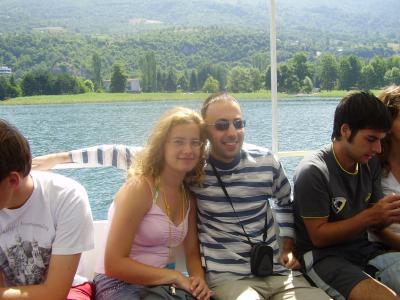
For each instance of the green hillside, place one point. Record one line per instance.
(340, 17)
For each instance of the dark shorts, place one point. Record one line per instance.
(336, 276)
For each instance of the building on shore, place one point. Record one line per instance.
(5, 70)
(132, 85)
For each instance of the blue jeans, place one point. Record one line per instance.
(108, 288)
(388, 265)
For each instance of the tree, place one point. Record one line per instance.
(28, 85)
(183, 83)
(118, 79)
(216, 71)
(345, 74)
(211, 85)
(96, 69)
(38, 82)
(307, 85)
(170, 85)
(287, 80)
(161, 80)
(14, 90)
(239, 80)
(299, 65)
(327, 71)
(392, 76)
(368, 76)
(267, 82)
(3, 88)
(259, 61)
(256, 81)
(349, 72)
(148, 68)
(89, 85)
(193, 81)
(355, 65)
(379, 65)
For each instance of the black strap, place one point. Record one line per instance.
(221, 183)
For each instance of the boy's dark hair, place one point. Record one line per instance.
(361, 110)
(15, 153)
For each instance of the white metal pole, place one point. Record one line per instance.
(274, 89)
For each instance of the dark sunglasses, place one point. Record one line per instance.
(223, 124)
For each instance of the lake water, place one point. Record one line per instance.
(303, 124)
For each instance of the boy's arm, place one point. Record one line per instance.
(324, 233)
(61, 273)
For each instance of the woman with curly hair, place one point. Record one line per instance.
(390, 155)
(154, 212)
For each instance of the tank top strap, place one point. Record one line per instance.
(155, 192)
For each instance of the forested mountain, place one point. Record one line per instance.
(225, 41)
(363, 18)
(181, 49)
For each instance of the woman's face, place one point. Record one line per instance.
(182, 148)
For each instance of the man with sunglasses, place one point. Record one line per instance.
(230, 222)
(252, 176)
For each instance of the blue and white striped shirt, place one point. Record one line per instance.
(252, 179)
(118, 156)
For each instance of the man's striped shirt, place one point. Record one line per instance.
(251, 180)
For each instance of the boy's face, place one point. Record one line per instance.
(364, 145)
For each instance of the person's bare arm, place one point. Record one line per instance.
(62, 269)
(324, 233)
(198, 285)
(48, 161)
(389, 237)
(1, 280)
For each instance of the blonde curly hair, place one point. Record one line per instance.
(150, 161)
(390, 96)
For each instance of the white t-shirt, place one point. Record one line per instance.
(391, 185)
(56, 219)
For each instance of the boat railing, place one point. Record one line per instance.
(281, 154)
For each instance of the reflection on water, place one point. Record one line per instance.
(303, 124)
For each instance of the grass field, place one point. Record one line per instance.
(126, 97)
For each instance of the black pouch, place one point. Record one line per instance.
(165, 292)
(261, 259)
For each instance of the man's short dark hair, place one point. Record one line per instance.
(361, 110)
(216, 97)
(15, 153)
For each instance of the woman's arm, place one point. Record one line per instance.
(131, 204)
(198, 285)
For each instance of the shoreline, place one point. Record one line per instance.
(129, 97)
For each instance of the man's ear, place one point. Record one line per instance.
(345, 131)
(14, 178)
